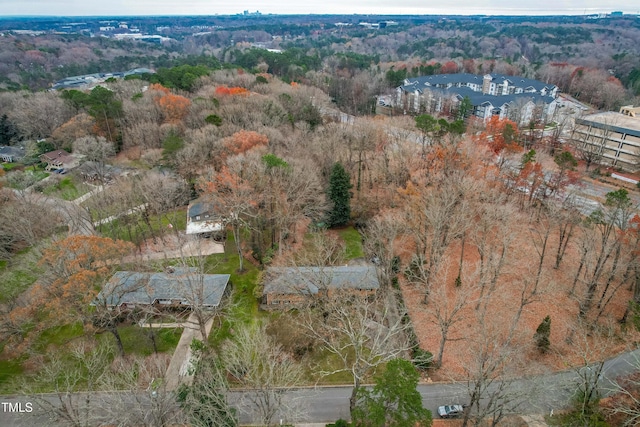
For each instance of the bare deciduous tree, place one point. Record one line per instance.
(379, 239)
(447, 307)
(85, 371)
(259, 365)
(360, 332)
(143, 398)
(205, 402)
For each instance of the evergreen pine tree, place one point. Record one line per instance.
(542, 335)
(8, 131)
(339, 186)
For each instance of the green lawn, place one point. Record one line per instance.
(58, 335)
(133, 228)
(136, 340)
(9, 371)
(353, 242)
(244, 307)
(66, 189)
(17, 276)
(10, 166)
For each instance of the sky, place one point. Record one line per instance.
(374, 7)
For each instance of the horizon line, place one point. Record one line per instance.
(257, 14)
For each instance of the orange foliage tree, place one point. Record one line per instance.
(244, 140)
(159, 88)
(77, 267)
(174, 107)
(449, 67)
(501, 136)
(231, 91)
(235, 199)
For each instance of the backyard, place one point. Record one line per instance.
(243, 307)
(67, 188)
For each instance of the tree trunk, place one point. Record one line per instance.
(152, 337)
(565, 235)
(443, 341)
(614, 269)
(462, 244)
(580, 266)
(236, 237)
(116, 335)
(353, 399)
(542, 254)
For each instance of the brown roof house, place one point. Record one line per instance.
(176, 287)
(291, 286)
(58, 159)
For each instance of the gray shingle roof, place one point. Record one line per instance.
(478, 98)
(199, 207)
(309, 280)
(464, 78)
(16, 153)
(183, 285)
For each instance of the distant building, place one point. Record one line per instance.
(491, 95)
(12, 154)
(614, 137)
(87, 80)
(58, 159)
(630, 110)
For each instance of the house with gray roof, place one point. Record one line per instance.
(202, 218)
(182, 287)
(11, 154)
(292, 286)
(517, 98)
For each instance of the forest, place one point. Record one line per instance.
(488, 269)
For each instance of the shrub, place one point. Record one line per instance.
(422, 359)
(213, 119)
(542, 335)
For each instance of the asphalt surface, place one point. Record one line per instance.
(536, 395)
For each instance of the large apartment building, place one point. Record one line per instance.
(517, 98)
(613, 138)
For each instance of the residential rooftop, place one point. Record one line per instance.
(309, 280)
(176, 286)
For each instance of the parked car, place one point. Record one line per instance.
(450, 411)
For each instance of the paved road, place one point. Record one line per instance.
(323, 404)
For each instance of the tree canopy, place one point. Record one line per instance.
(339, 186)
(394, 401)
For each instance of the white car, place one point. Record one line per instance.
(450, 411)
